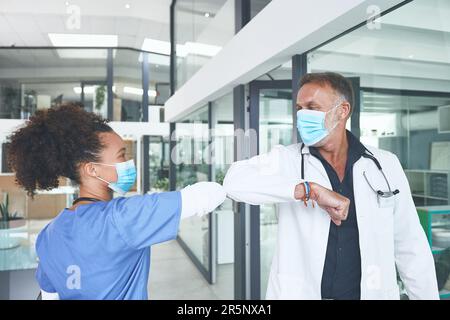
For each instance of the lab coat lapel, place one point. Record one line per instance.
(311, 161)
(363, 202)
(360, 185)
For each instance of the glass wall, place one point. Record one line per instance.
(32, 79)
(204, 152)
(159, 74)
(275, 127)
(127, 85)
(192, 160)
(222, 158)
(159, 157)
(403, 65)
(202, 28)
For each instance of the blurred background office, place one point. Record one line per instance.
(178, 78)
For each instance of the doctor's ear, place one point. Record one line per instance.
(345, 110)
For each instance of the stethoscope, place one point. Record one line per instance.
(368, 155)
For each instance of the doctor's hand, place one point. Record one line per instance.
(332, 202)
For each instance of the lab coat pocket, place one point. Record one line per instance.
(384, 219)
(386, 202)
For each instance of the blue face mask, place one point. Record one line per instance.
(126, 176)
(311, 125)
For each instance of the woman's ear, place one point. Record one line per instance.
(88, 169)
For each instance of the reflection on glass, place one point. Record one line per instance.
(405, 123)
(275, 127)
(159, 164)
(159, 74)
(127, 86)
(33, 79)
(202, 28)
(192, 166)
(222, 157)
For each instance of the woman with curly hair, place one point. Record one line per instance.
(100, 247)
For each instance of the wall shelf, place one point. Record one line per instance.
(429, 187)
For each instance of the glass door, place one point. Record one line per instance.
(155, 163)
(271, 116)
(193, 161)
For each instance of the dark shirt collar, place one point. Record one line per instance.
(355, 148)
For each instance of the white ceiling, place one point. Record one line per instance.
(28, 22)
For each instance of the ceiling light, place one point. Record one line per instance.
(157, 46)
(139, 91)
(82, 53)
(158, 59)
(127, 6)
(89, 89)
(207, 14)
(132, 90)
(197, 48)
(83, 40)
(201, 49)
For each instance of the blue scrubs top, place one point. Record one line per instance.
(102, 250)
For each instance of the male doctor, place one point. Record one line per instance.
(346, 217)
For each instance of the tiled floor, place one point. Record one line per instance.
(173, 276)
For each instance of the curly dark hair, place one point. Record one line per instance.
(52, 144)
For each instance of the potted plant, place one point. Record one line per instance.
(162, 184)
(12, 102)
(10, 223)
(100, 95)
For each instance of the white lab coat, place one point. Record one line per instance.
(390, 234)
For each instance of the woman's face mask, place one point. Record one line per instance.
(126, 176)
(312, 127)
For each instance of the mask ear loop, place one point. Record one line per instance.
(97, 176)
(337, 121)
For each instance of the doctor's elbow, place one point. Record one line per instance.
(228, 184)
(231, 184)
